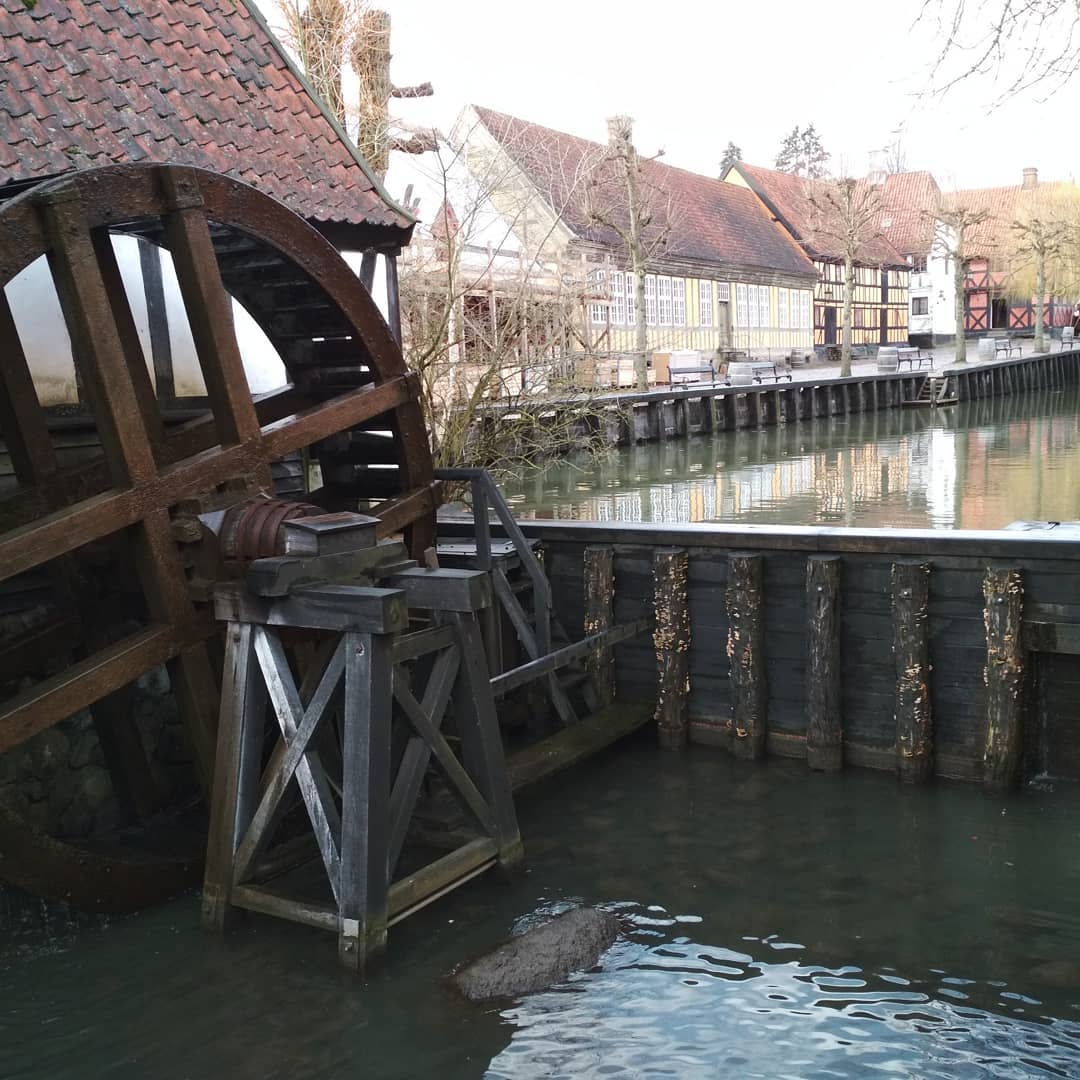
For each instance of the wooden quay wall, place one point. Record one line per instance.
(923, 652)
(677, 412)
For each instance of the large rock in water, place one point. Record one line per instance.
(540, 957)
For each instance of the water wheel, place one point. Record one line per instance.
(130, 512)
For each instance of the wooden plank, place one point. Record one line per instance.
(1003, 591)
(318, 607)
(824, 717)
(599, 588)
(363, 900)
(157, 318)
(671, 639)
(208, 307)
(914, 718)
(746, 653)
(80, 685)
(572, 745)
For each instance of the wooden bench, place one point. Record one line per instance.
(911, 356)
(690, 370)
(1004, 345)
(767, 369)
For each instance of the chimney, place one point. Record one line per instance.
(1031, 178)
(620, 129)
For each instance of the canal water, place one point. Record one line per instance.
(778, 924)
(978, 465)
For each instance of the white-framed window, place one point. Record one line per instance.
(805, 322)
(705, 314)
(678, 301)
(763, 305)
(742, 311)
(618, 297)
(723, 292)
(598, 311)
(663, 290)
(650, 300)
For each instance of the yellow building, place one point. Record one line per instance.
(721, 274)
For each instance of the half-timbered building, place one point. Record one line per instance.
(721, 274)
(880, 302)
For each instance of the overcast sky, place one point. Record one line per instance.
(696, 74)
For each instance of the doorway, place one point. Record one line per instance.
(999, 313)
(830, 325)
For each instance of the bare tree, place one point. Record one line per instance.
(321, 33)
(1042, 256)
(845, 216)
(492, 309)
(624, 198)
(1023, 43)
(955, 223)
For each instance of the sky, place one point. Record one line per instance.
(698, 74)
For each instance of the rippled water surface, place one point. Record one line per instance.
(778, 924)
(979, 465)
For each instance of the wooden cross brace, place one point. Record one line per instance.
(334, 743)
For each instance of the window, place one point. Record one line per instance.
(678, 301)
(705, 303)
(763, 305)
(920, 305)
(631, 299)
(723, 292)
(741, 310)
(598, 311)
(805, 308)
(618, 295)
(918, 264)
(663, 285)
(650, 300)
(782, 309)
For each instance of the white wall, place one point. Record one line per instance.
(45, 340)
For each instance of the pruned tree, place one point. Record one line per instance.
(1044, 248)
(845, 216)
(732, 156)
(802, 153)
(1021, 43)
(624, 198)
(492, 310)
(954, 224)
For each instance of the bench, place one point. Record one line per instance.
(767, 369)
(1004, 345)
(911, 356)
(690, 369)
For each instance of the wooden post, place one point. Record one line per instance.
(824, 709)
(746, 652)
(1003, 591)
(671, 567)
(599, 574)
(914, 722)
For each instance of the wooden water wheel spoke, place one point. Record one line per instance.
(161, 469)
(95, 338)
(209, 309)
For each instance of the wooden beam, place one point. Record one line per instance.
(599, 586)
(746, 652)
(671, 638)
(1003, 593)
(824, 705)
(911, 650)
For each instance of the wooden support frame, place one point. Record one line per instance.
(746, 653)
(824, 699)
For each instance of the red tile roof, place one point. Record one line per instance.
(908, 203)
(199, 82)
(1001, 206)
(789, 197)
(698, 217)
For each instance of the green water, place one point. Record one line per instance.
(779, 924)
(978, 465)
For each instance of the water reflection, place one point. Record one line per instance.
(978, 465)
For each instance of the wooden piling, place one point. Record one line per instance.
(1003, 593)
(914, 722)
(599, 582)
(746, 652)
(671, 569)
(824, 710)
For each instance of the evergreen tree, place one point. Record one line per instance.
(801, 153)
(732, 154)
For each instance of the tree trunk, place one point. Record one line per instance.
(641, 334)
(1040, 300)
(958, 303)
(849, 293)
